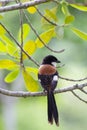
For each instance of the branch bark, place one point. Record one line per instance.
(33, 94)
(22, 5)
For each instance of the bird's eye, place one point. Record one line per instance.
(54, 64)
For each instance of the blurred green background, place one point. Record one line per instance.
(31, 113)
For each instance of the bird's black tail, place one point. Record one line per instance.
(52, 108)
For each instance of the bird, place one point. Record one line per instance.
(48, 78)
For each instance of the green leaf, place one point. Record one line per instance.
(12, 76)
(8, 64)
(69, 19)
(65, 9)
(46, 37)
(79, 7)
(29, 47)
(79, 33)
(59, 31)
(26, 30)
(2, 47)
(31, 84)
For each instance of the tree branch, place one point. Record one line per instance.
(33, 94)
(22, 5)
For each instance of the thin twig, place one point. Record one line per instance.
(78, 97)
(74, 80)
(21, 37)
(83, 91)
(10, 34)
(33, 94)
(39, 36)
(21, 23)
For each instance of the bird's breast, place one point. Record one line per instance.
(47, 70)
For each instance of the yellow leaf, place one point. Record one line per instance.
(1, 16)
(51, 15)
(12, 50)
(31, 10)
(46, 37)
(12, 76)
(31, 84)
(6, 40)
(79, 33)
(2, 47)
(47, 26)
(26, 30)
(29, 47)
(69, 19)
(33, 72)
(9, 46)
(2, 30)
(79, 7)
(7, 64)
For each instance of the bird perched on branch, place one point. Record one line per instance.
(48, 78)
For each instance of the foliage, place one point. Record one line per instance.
(52, 28)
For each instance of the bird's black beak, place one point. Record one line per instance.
(58, 61)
